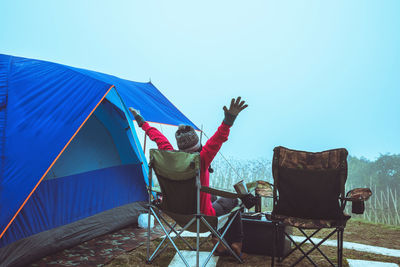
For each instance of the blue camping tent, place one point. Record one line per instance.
(71, 167)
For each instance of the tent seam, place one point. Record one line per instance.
(126, 110)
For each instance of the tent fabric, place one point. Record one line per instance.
(64, 200)
(84, 154)
(145, 97)
(45, 106)
(114, 98)
(42, 107)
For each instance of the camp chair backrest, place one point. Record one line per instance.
(309, 183)
(176, 173)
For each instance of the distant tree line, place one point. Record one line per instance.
(383, 172)
(228, 171)
(382, 176)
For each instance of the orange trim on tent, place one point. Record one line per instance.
(51, 165)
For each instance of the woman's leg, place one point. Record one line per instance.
(234, 235)
(224, 205)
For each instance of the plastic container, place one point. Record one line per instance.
(144, 219)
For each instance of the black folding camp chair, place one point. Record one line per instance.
(178, 174)
(308, 194)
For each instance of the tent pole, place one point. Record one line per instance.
(144, 144)
(201, 133)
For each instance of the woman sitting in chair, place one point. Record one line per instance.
(188, 141)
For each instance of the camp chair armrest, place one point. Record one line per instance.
(220, 193)
(358, 194)
(251, 186)
(261, 188)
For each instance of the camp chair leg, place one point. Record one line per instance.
(149, 212)
(158, 251)
(298, 247)
(274, 243)
(197, 239)
(153, 256)
(320, 251)
(340, 246)
(215, 246)
(315, 247)
(172, 242)
(300, 244)
(280, 258)
(181, 231)
(221, 239)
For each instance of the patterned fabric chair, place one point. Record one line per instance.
(178, 174)
(308, 194)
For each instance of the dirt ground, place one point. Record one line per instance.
(356, 231)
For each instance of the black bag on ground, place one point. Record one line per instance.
(259, 233)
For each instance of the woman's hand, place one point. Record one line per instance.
(139, 119)
(236, 106)
(234, 109)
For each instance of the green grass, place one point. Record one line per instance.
(386, 226)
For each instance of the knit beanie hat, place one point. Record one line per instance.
(187, 138)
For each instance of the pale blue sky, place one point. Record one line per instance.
(316, 74)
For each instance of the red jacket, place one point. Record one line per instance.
(207, 154)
